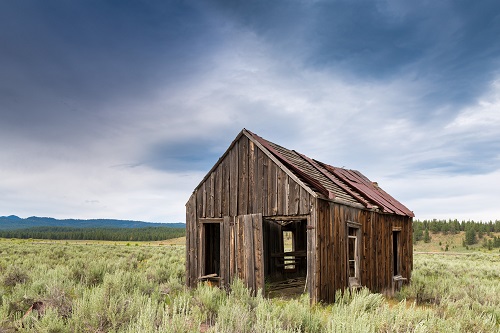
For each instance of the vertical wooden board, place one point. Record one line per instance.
(199, 201)
(374, 250)
(188, 252)
(331, 253)
(258, 252)
(324, 246)
(223, 192)
(273, 188)
(243, 177)
(191, 267)
(200, 249)
(344, 282)
(241, 245)
(336, 247)
(321, 251)
(376, 232)
(281, 191)
(381, 270)
(386, 254)
(249, 253)
(233, 250)
(409, 241)
(311, 253)
(218, 191)
(187, 263)
(233, 180)
(204, 199)
(367, 249)
(388, 257)
(259, 182)
(265, 185)
(286, 199)
(252, 196)
(293, 197)
(365, 216)
(316, 257)
(210, 194)
(225, 187)
(222, 255)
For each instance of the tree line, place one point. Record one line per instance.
(109, 234)
(474, 231)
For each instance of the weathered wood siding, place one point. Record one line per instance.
(247, 181)
(244, 181)
(376, 263)
(191, 242)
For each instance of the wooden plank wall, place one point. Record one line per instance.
(191, 243)
(248, 255)
(247, 181)
(376, 248)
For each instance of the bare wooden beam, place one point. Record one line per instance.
(286, 217)
(210, 220)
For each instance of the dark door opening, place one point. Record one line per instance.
(285, 256)
(211, 248)
(396, 264)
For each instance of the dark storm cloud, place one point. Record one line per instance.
(61, 61)
(451, 47)
(180, 156)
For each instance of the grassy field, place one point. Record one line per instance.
(139, 287)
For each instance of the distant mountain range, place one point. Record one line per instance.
(15, 222)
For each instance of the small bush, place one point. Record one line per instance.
(15, 275)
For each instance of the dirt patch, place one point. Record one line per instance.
(286, 289)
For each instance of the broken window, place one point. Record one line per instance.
(353, 255)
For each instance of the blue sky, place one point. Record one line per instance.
(117, 109)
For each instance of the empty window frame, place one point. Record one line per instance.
(353, 253)
(289, 246)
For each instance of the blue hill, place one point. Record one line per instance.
(15, 222)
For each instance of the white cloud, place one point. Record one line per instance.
(481, 118)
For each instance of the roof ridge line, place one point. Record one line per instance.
(321, 189)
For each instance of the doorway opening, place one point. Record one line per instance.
(285, 256)
(396, 264)
(211, 246)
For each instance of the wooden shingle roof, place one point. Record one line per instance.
(343, 185)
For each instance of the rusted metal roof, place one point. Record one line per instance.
(343, 185)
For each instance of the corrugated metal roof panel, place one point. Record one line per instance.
(347, 185)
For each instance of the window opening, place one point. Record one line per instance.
(353, 253)
(288, 248)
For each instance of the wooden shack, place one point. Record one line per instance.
(274, 217)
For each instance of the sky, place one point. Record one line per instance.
(117, 109)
